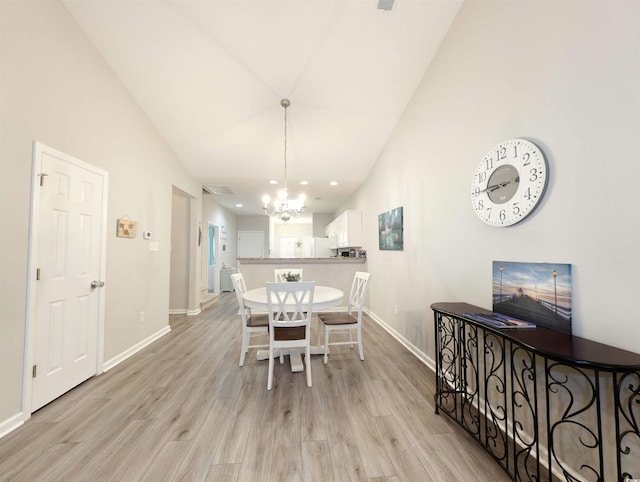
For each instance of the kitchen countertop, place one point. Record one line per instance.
(334, 259)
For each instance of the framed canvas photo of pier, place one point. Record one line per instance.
(536, 292)
(390, 230)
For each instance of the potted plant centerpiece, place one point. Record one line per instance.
(292, 276)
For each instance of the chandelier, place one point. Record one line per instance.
(284, 208)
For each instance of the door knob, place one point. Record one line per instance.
(97, 284)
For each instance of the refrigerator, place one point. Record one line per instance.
(320, 248)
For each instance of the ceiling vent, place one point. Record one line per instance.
(385, 4)
(219, 190)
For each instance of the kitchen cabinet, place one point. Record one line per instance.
(345, 231)
(331, 232)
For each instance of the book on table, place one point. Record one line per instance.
(498, 320)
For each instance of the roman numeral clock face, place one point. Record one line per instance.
(509, 183)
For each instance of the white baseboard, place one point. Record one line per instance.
(184, 311)
(422, 356)
(10, 424)
(108, 365)
(181, 311)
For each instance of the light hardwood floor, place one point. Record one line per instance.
(182, 409)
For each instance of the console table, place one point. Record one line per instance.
(545, 405)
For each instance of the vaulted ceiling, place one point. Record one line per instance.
(210, 75)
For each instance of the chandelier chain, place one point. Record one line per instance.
(283, 208)
(285, 105)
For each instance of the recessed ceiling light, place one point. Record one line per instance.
(273, 181)
(333, 183)
(304, 183)
(238, 205)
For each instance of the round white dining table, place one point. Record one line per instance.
(323, 297)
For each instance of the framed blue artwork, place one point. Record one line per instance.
(390, 230)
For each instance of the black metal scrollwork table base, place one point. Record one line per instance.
(545, 405)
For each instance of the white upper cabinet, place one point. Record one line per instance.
(332, 233)
(345, 231)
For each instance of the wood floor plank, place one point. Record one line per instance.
(345, 455)
(312, 407)
(182, 409)
(316, 461)
(163, 466)
(114, 452)
(223, 473)
(345, 462)
(201, 452)
(373, 455)
(236, 433)
(286, 462)
(256, 464)
(400, 451)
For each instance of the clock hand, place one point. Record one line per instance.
(500, 184)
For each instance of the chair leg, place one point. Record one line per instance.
(307, 362)
(326, 344)
(270, 376)
(245, 342)
(360, 342)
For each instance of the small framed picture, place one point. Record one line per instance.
(127, 228)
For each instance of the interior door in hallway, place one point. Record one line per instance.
(68, 256)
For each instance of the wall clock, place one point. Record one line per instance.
(509, 182)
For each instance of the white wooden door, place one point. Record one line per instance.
(250, 244)
(287, 247)
(68, 256)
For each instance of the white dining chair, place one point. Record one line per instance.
(346, 323)
(253, 325)
(281, 274)
(289, 311)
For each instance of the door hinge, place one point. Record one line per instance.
(42, 176)
(37, 274)
(34, 370)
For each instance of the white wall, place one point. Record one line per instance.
(563, 74)
(57, 89)
(215, 214)
(320, 222)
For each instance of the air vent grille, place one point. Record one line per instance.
(385, 4)
(219, 190)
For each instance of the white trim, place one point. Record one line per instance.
(406, 343)
(10, 424)
(32, 262)
(108, 365)
(184, 311)
(217, 255)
